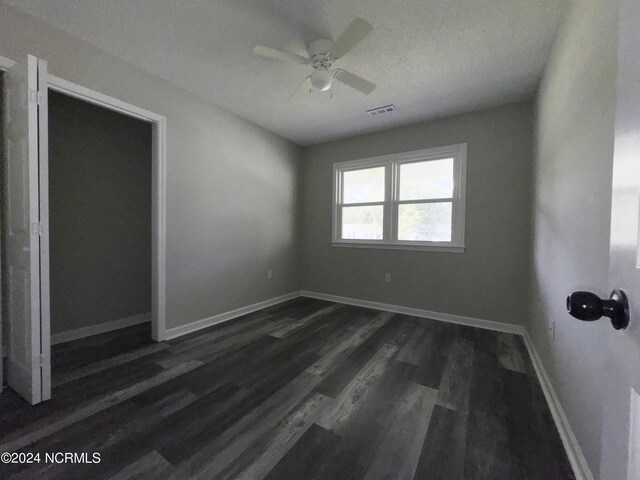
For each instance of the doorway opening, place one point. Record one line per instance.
(157, 123)
(99, 194)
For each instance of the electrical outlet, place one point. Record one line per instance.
(387, 277)
(269, 273)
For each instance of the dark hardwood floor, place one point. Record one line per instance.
(305, 389)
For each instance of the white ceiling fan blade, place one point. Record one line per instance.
(355, 81)
(280, 55)
(355, 32)
(303, 90)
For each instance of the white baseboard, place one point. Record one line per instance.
(63, 337)
(416, 312)
(226, 316)
(579, 464)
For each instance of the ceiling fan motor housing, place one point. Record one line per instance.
(319, 51)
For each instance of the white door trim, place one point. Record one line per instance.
(158, 189)
(43, 199)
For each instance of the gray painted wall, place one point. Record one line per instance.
(231, 185)
(99, 214)
(489, 280)
(575, 125)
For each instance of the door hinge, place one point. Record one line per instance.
(39, 360)
(36, 228)
(35, 96)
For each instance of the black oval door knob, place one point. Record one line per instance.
(588, 306)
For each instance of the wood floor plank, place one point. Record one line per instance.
(399, 451)
(482, 459)
(368, 427)
(352, 318)
(223, 369)
(304, 459)
(210, 351)
(102, 433)
(39, 430)
(257, 462)
(414, 349)
(278, 360)
(509, 355)
(341, 349)
(323, 329)
(432, 353)
(152, 465)
(453, 392)
(222, 331)
(533, 438)
(338, 412)
(298, 324)
(396, 331)
(123, 446)
(100, 366)
(487, 427)
(85, 351)
(448, 428)
(192, 425)
(297, 308)
(444, 447)
(212, 458)
(72, 394)
(176, 450)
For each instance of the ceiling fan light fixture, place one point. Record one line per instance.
(321, 79)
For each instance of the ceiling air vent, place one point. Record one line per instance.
(374, 112)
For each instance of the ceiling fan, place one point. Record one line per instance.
(321, 56)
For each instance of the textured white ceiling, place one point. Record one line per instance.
(428, 57)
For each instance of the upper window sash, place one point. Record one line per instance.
(341, 185)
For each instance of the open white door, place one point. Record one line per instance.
(621, 397)
(28, 366)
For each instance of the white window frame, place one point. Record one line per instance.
(391, 202)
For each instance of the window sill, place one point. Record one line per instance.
(394, 246)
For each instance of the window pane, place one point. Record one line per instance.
(426, 180)
(360, 186)
(425, 222)
(362, 223)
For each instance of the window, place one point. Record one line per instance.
(411, 200)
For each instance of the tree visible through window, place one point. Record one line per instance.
(414, 199)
